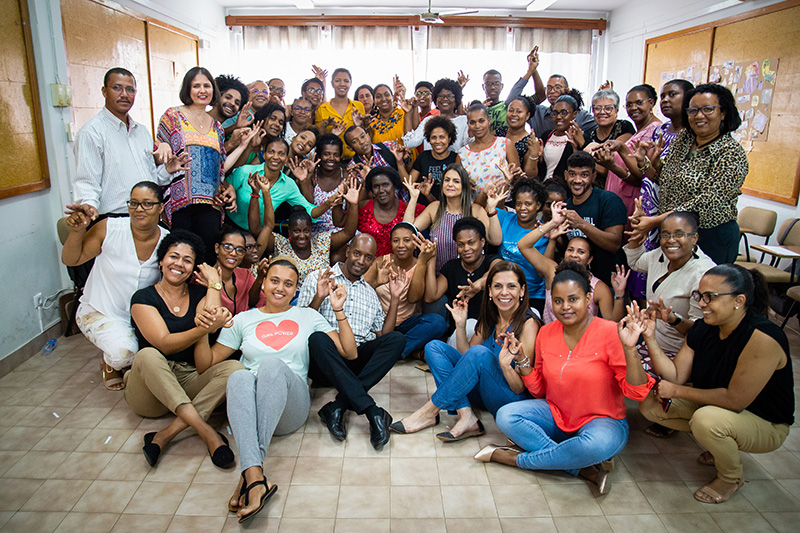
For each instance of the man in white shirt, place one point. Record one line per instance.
(113, 152)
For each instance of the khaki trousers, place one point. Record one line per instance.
(155, 386)
(721, 431)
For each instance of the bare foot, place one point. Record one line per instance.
(235, 503)
(465, 424)
(419, 420)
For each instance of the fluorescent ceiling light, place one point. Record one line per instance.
(540, 5)
(304, 4)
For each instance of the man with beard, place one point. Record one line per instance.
(233, 99)
(379, 347)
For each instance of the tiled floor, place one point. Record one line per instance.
(70, 460)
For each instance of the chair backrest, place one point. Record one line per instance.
(757, 221)
(62, 229)
(789, 232)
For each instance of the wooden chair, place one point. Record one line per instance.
(788, 236)
(755, 221)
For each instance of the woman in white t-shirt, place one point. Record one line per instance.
(271, 395)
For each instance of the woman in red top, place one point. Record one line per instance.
(583, 370)
(379, 215)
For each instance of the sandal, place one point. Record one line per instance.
(659, 431)
(235, 508)
(707, 459)
(267, 495)
(706, 494)
(112, 379)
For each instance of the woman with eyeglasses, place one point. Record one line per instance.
(240, 291)
(703, 172)
(671, 273)
(605, 108)
(124, 250)
(741, 396)
(313, 90)
(340, 110)
(556, 145)
(301, 118)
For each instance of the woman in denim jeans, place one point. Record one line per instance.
(583, 371)
(474, 372)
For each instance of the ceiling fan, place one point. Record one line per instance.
(429, 17)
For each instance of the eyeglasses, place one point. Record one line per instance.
(605, 108)
(314, 91)
(301, 108)
(706, 110)
(562, 113)
(493, 84)
(679, 235)
(259, 91)
(228, 247)
(129, 89)
(422, 93)
(708, 296)
(133, 205)
(446, 96)
(274, 89)
(554, 88)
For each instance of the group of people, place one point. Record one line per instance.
(268, 246)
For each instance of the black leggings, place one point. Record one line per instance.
(204, 221)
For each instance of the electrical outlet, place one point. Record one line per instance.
(38, 302)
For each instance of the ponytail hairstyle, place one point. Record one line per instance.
(572, 97)
(750, 283)
(487, 322)
(647, 89)
(286, 262)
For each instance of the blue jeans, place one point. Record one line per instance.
(476, 374)
(421, 329)
(531, 425)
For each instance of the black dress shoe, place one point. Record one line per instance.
(333, 418)
(379, 429)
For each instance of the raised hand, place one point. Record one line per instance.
(80, 216)
(398, 282)
(427, 249)
(503, 167)
(358, 118)
(516, 172)
(385, 269)
(533, 61)
(248, 133)
(638, 209)
(656, 150)
(574, 219)
(619, 279)
(413, 188)
(176, 163)
(352, 194)
(320, 73)
(459, 311)
(534, 146)
(659, 310)
(512, 350)
(575, 135)
(425, 185)
(245, 117)
(603, 156)
(462, 78)
(606, 85)
(338, 295)
(398, 151)
(496, 196)
(468, 291)
(630, 328)
(207, 274)
(559, 215)
(299, 171)
(562, 229)
(226, 197)
(257, 139)
(338, 127)
(408, 104)
(263, 266)
(162, 153)
(324, 283)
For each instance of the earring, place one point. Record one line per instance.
(737, 307)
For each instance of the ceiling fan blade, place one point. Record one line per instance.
(453, 13)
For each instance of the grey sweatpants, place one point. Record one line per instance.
(273, 402)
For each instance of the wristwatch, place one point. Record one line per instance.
(678, 320)
(216, 286)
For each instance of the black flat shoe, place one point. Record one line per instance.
(379, 429)
(151, 451)
(398, 427)
(333, 418)
(223, 456)
(449, 437)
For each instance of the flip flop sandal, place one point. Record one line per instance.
(449, 437)
(111, 378)
(267, 495)
(707, 459)
(715, 496)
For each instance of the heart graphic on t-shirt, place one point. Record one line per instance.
(276, 336)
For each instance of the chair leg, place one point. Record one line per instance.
(789, 314)
(746, 247)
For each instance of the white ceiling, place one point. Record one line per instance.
(415, 6)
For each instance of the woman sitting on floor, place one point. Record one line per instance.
(270, 396)
(741, 395)
(579, 376)
(169, 318)
(475, 372)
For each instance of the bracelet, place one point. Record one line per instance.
(525, 363)
(619, 297)
(255, 195)
(646, 166)
(628, 175)
(492, 214)
(533, 158)
(337, 310)
(341, 319)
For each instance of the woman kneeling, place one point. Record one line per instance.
(583, 371)
(738, 363)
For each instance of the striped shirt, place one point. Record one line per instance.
(110, 160)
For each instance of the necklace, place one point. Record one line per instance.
(175, 308)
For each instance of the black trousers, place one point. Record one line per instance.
(720, 243)
(204, 221)
(354, 378)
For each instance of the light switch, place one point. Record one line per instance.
(61, 95)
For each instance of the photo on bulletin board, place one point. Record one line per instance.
(752, 84)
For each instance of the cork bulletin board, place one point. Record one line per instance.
(21, 129)
(768, 34)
